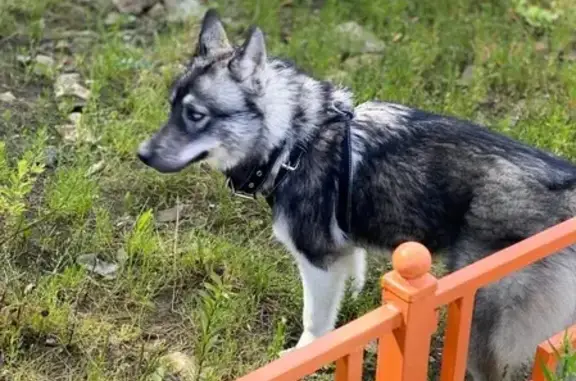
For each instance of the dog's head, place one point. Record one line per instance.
(213, 115)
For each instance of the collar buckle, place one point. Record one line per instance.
(287, 166)
(234, 192)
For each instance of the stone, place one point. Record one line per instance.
(50, 157)
(170, 214)
(75, 118)
(68, 132)
(44, 65)
(95, 168)
(7, 97)
(157, 11)
(181, 10)
(112, 18)
(467, 75)
(355, 39)
(135, 7)
(69, 84)
(92, 263)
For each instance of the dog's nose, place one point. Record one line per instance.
(144, 157)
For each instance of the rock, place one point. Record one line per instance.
(51, 341)
(135, 7)
(467, 75)
(121, 255)
(115, 18)
(157, 11)
(75, 118)
(68, 132)
(44, 65)
(356, 39)
(170, 214)
(50, 157)
(63, 45)
(71, 133)
(112, 18)
(69, 84)
(127, 36)
(95, 168)
(44, 60)
(181, 10)
(7, 97)
(92, 263)
(24, 60)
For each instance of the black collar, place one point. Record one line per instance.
(252, 184)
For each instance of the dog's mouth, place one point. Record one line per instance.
(198, 158)
(165, 167)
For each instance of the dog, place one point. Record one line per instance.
(341, 179)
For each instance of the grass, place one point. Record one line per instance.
(212, 289)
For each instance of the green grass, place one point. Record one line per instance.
(213, 284)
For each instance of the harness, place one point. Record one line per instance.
(253, 183)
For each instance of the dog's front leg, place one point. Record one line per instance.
(323, 290)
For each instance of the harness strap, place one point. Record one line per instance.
(343, 212)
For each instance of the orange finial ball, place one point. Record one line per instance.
(411, 260)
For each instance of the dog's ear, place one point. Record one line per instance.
(212, 36)
(252, 58)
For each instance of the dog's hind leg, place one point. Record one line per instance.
(512, 316)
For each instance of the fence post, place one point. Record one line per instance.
(403, 355)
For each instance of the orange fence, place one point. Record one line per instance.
(404, 324)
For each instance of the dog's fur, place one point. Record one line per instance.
(459, 188)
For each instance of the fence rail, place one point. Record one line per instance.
(405, 323)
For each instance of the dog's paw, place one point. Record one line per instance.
(285, 351)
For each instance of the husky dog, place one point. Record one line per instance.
(459, 188)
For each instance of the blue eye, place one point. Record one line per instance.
(194, 115)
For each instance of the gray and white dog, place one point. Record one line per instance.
(459, 188)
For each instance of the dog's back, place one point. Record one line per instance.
(446, 178)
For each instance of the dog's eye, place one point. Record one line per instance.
(194, 115)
